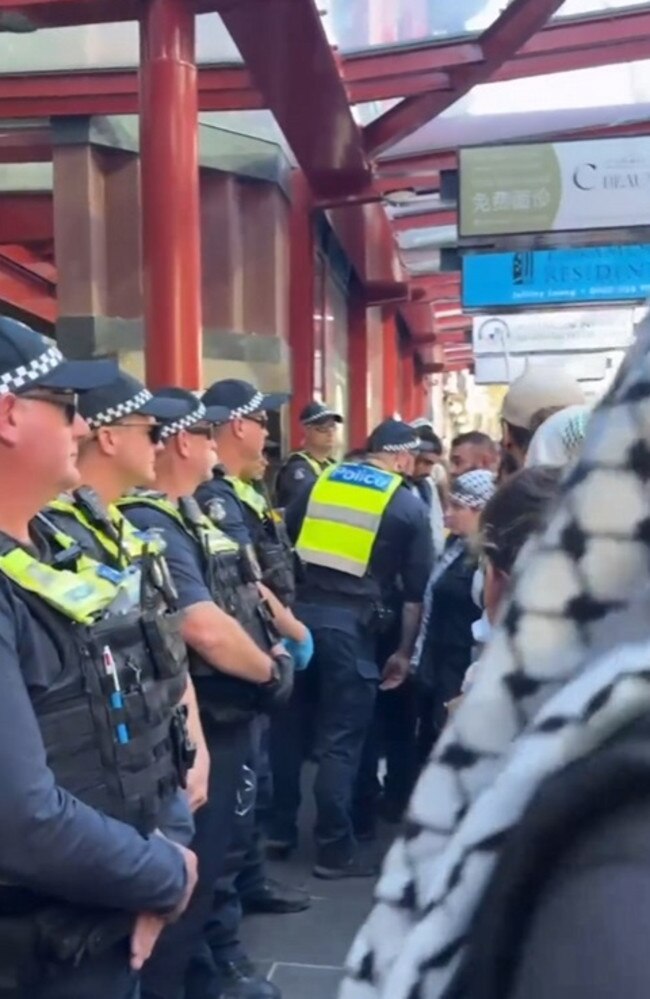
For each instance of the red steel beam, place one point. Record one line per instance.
(52, 94)
(593, 41)
(518, 23)
(289, 57)
(427, 220)
(26, 218)
(25, 145)
(26, 291)
(30, 259)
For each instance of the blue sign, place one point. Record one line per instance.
(362, 475)
(556, 277)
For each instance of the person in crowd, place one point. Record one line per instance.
(517, 510)
(443, 651)
(301, 469)
(365, 541)
(508, 466)
(559, 438)
(239, 668)
(529, 829)
(471, 452)
(233, 502)
(82, 871)
(539, 392)
(426, 461)
(117, 456)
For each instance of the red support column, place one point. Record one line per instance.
(357, 369)
(407, 371)
(170, 194)
(391, 363)
(301, 301)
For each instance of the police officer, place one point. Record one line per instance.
(80, 790)
(303, 467)
(230, 499)
(115, 458)
(362, 535)
(234, 681)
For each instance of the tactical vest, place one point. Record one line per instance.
(345, 510)
(273, 549)
(230, 575)
(112, 731)
(317, 467)
(117, 541)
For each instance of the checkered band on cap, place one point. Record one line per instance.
(252, 406)
(325, 414)
(21, 377)
(184, 423)
(115, 413)
(398, 448)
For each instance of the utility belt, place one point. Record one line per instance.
(40, 939)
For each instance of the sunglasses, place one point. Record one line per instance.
(262, 421)
(201, 431)
(153, 431)
(67, 402)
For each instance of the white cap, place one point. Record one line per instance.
(540, 387)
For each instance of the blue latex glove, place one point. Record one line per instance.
(300, 652)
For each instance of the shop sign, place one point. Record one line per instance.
(556, 277)
(555, 187)
(553, 332)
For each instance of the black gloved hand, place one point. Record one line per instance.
(277, 690)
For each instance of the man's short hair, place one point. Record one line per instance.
(476, 439)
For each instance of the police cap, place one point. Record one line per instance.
(29, 359)
(124, 396)
(193, 411)
(393, 437)
(242, 399)
(318, 412)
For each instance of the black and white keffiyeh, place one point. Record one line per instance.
(568, 666)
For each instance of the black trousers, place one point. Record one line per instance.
(164, 973)
(342, 683)
(107, 976)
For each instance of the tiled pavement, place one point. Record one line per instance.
(304, 953)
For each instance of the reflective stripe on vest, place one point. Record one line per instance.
(82, 596)
(249, 496)
(345, 510)
(213, 541)
(132, 542)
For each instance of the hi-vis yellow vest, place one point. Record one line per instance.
(82, 596)
(249, 496)
(132, 542)
(345, 510)
(212, 540)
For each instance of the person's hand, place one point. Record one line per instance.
(146, 931)
(395, 671)
(192, 873)
(198, 779)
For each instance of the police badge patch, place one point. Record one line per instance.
(217, 511)
(299, 474)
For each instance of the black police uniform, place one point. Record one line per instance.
(298, 473)
(341, 612)
(227, 706)
(252, 524)
(248, 881)
(301, 469)
(82, 777)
